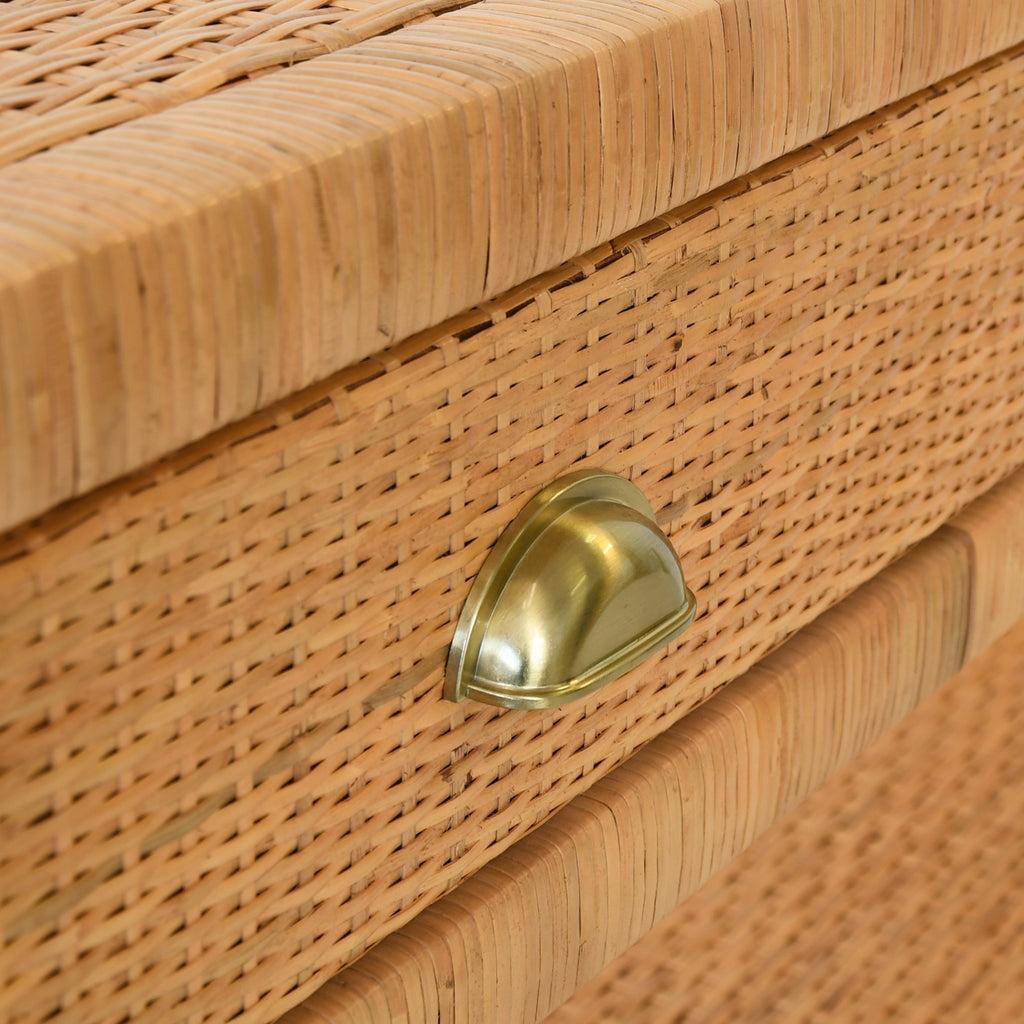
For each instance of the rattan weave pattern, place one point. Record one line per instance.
(71, 68)
(894, 893)
(226, 765)
(168, 276)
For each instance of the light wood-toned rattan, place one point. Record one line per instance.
(891, 894)
(169, 275)
(519, 937)
(68, 69)
(226, 766)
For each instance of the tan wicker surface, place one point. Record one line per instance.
(516, 939)
(891, 894)
(70, 68)
(227, 768)
(167, 276)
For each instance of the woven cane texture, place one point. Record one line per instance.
(894, 893)
(168, 276)
(71, 68)
(227, 767)
(519, 937)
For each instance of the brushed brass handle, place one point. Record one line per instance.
(581, 587)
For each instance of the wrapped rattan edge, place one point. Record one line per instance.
(521, 935)
(893, 891)
(168, 276)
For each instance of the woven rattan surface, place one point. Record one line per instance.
(518, 938)
(227, 767)
(167, 276)
(71, 68)
(891, 894)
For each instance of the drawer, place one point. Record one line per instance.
(228, 767)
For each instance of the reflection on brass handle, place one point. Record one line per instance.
(581, 587)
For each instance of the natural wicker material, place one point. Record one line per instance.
(516, 939)
(168, 276)
(226, 765)
(894, 893)
(68, 69)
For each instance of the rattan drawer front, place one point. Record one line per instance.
(519, 937)
(227, 767)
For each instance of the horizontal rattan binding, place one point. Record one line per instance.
(167, 276)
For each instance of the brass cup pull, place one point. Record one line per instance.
(581, 587)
